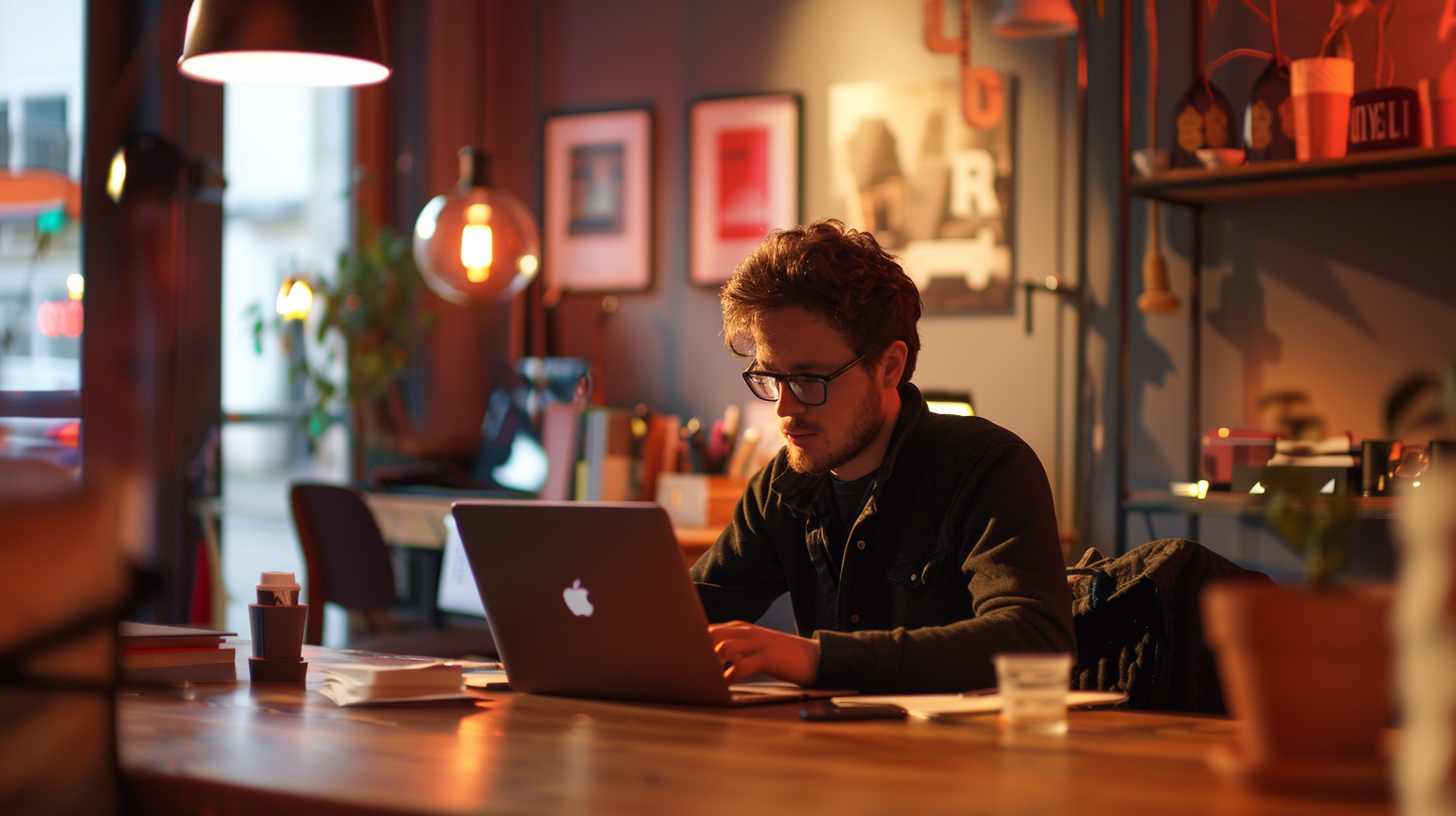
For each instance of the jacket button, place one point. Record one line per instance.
(854, 618)
(859, 545)
(914, 578)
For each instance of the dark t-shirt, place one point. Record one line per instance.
(849, 500)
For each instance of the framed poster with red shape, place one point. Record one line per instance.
(744, 178)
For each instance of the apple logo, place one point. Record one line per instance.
(576, 601)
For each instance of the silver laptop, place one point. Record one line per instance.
(593, 599)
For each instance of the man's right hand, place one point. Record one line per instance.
(745, 650)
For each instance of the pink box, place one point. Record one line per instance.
(1225, 447)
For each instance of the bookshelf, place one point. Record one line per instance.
(1274, 179)
(1198, 189)
(1238, 504)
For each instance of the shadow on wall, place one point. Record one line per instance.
(1377, 232)
(1242, 319)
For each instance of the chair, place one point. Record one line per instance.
(1139, 627)
(348, 564)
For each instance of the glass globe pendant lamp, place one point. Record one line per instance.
(479, 244)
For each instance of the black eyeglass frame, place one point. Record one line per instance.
(794, 382)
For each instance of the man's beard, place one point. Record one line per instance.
(867, 424)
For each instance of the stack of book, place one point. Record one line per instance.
(157, 654)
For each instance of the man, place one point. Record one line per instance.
(913, 545)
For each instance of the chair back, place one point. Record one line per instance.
(348, 561)
(1139, 625)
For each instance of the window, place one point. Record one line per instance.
(4, 135)
(46, 143)
(41, 87)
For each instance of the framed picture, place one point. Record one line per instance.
(598, 190)
(744, 178)
(933, 190)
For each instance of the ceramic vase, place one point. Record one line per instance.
(1307, 676)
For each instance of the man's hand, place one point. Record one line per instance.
(745, 649)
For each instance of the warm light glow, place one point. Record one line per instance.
(296, 68)
(1415, 484)
(295, 298)
(1257, 488)
(1202, 488)
(476, 251)
(1223, 433)
(1051, 282)
(953, 408)
(528, 264)
(75, 286)
(116, 178)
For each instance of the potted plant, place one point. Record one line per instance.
(1305, 669)
(356, 340)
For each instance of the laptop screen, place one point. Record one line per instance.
(458, 593)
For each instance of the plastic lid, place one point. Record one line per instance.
(277, 580)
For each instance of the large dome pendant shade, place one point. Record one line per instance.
(1034, 19)
(284, 42)
(479, 244)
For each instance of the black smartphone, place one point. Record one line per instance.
(829, 712)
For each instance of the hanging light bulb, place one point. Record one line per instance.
(1034, 19)
(295, 299)
(284, 42)
(480, 244)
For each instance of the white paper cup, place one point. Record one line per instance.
(1033, 688)
(1320, 88)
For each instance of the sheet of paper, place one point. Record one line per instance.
(942, 705)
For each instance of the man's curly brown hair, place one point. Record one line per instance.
(838, 273)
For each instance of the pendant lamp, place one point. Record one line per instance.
(1034, 19)
(284, 42)
(480, 244)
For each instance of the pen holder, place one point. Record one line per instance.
(277, 643)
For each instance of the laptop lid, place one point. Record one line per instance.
(591, 599)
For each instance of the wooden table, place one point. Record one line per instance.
(235, 748)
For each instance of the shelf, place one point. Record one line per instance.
(1238, 504)
(1273, 179)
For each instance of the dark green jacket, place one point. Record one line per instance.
(954, 558)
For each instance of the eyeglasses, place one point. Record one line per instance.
(809, 389)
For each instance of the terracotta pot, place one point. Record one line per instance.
(1308, 675)
(1320, 88)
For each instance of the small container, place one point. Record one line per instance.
(277, 623)
(1321, 88)
(1375, 466)
(1216, 157)
(1033, 688)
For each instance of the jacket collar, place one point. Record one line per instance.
(794, 487)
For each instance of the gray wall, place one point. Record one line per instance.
(1337, 295)
(663, 346)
